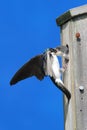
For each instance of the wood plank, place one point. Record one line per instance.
(70, 14)
(76, 74)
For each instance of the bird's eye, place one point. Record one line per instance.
(53, 50)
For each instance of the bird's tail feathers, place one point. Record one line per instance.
(59, 84)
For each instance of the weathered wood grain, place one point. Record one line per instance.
(76, 74)
(71, 14)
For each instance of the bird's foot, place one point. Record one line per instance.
(62, 70)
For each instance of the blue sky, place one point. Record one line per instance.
(27, 28)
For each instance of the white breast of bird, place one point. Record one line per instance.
(56, 67)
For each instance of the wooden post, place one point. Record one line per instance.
(74, 33)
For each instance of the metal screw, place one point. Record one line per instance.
(81, 88)
(77, 35)
(80, 110)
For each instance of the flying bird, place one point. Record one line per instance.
(42, 65)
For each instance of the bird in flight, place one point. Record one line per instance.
(45, 64)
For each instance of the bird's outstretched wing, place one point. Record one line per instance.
(31, 68)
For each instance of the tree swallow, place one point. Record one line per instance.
(46, 64)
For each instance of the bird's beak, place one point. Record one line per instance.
(58, 52)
